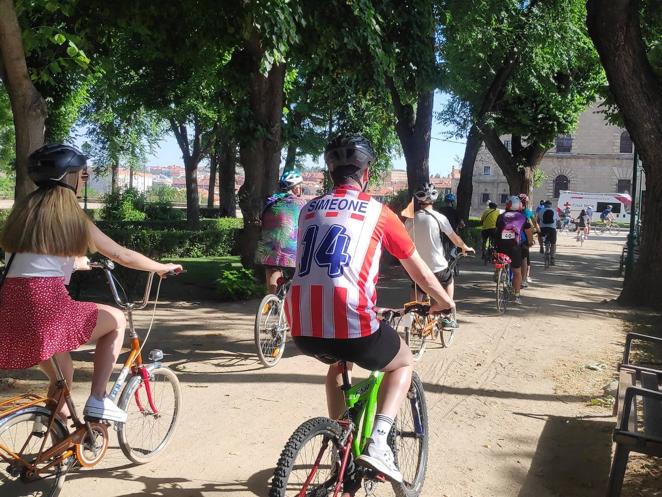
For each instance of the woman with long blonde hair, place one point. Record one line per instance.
(45, 238)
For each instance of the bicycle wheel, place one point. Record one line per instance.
(150, 425)
(23, 433)
(414, 332)
(270, 330)
(311, 452)
(502, 293)
(448, 334)
(548, 255)
(409, 441)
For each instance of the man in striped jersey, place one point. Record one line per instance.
(331, 302)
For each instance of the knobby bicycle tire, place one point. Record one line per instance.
(414, 336)
(270, 330)
(138, 436)
(291, 473)
(409, 441)
(502, 291)
(16, 430)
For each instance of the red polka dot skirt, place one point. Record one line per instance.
(38, 319)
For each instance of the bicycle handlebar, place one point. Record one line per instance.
(421, 308)
(108, 266)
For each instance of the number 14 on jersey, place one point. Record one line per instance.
(331, 252)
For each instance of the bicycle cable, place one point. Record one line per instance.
(151, 323)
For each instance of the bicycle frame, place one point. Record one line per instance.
(361, 402)
(66, 448)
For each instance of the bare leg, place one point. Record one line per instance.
(67, 367)
(272, 275)
(396, 382)
(450, 288)
(525, 269)
(335, 399)
(517, 279)
(109, 335)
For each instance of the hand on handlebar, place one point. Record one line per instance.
(468, 250)
(169, 270)
(442, 308)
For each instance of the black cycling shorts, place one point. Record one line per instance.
(526, 255)
(373, 352)
(550, 233)
(513, 250)
(445, 277)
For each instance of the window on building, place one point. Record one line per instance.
(504, 197)
(563, 144)
(624, 186)
(508, 144)
(626, 143)
(485, 198)
(487, 170)
(561, 182)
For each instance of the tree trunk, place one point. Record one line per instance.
(227, 168)
(114, 167)
(28, 106)
(465, 187)
(211, 191)
(260, 155)
(192, 195)
(615, 27)
(414, 128)
(518, 166)
(291, 157)
(131, 177)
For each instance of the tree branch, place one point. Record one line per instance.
(181, 135)
(499, 151)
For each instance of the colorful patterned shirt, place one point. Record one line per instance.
(278, 241)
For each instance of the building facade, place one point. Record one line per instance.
(597, 158)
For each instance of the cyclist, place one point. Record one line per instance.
(589, 213)
(510, 227)
(277, 247)
(548, 220)
(331, 302)
(526, 256)
(582, 224)
(426, 229)
(606, 216)
(45, 238)
(456, 222)
(488, 225)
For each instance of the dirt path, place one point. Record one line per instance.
(512, 404)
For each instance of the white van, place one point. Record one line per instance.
(620, 203)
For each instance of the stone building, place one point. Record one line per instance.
(596, 158)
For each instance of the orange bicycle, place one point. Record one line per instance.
(37, 448)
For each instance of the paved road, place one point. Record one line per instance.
(509, 402)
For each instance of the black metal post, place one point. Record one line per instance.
(632, 237)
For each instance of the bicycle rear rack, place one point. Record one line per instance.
(19, 402)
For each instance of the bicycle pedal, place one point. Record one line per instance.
(275, 352)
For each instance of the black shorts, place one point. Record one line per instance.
(526, 254)
(445, 277)
(550, 233)
(373, 352)
(513, 250)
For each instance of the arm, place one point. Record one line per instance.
(421, 274)
(529, 237)
(127, 257)
(455, 238)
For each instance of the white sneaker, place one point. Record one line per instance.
(104, 409)
(381, 459)
(529, 279)
(525, 284)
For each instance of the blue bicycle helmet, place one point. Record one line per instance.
(450, 198)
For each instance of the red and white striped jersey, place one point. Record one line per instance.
(340, 241)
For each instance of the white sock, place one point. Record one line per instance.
(381, 430)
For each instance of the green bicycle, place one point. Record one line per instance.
(319, 459)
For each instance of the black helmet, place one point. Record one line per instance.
(50, 165)
(349, 150)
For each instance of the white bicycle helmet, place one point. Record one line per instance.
(289, 180)
(427, 193)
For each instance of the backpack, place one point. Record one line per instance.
(548, 216)
(511, 229)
